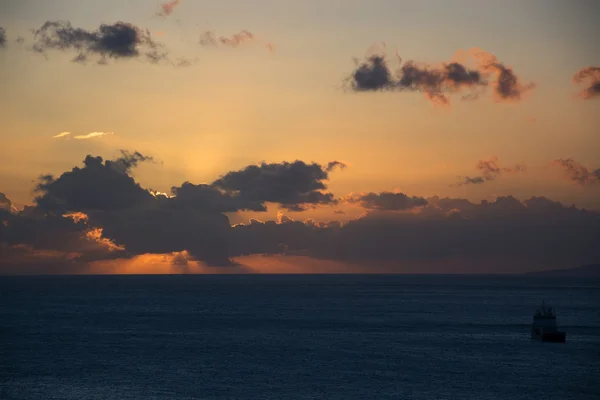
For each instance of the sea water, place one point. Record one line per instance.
(295, 337)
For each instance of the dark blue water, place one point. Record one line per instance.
(295, 337)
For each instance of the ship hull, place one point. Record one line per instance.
(553, 337)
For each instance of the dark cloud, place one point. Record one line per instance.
(387, 201)
(120, 40)
(470, 180)
(135, 219)
(490, 170)
(2, 37)
(507, 85)
(157, 229)
(191, 218)
(333, 164)
(34, 241)
(437, 82)
(590, 76)
(577, 173)
(505, 229)
(279, 237)
(99, 212)
(457, 75)
(167, 8)
(294, 186)
(99, 185)
(5, 203)
(208, 198)
(127, 161)
(505, 235)
(373, 74)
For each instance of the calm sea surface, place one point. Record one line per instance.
(295, 337)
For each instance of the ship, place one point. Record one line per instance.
(544, 326)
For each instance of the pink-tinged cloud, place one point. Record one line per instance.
(489, 170)
(577, 173)
(168, 8)
(210, 38)
(440, 81)
(506, 84)
(590, 77)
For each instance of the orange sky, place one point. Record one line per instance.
(266, 82)
(245, 105)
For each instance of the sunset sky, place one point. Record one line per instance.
(287, 94)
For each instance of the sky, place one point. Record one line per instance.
(204, 90)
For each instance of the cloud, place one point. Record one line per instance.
(577, 173)
(505, 228)
(295, 186)
(120, 40)
(590, 76)
(134, 219)
(334, 164)
(434, 82)
(93, 135)
(447, 235)
(507, 85)
(387, 201)
(154, 228)
(470, 180)
(437, 82)
(210, 39)
(168, 8)
(372, 75)
(2, 37)
(97, 186)
(34, 239)
(5, 203)
(490, 170)
(208, 198)
(127, 161)
(98, 211)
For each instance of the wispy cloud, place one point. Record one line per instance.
(209, 38)
(490, 170)
(576, 172)
(82, 137)
(2, 37)
(93, 135)
(167, 9)
(590, 77)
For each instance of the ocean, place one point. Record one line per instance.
(295, 337)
